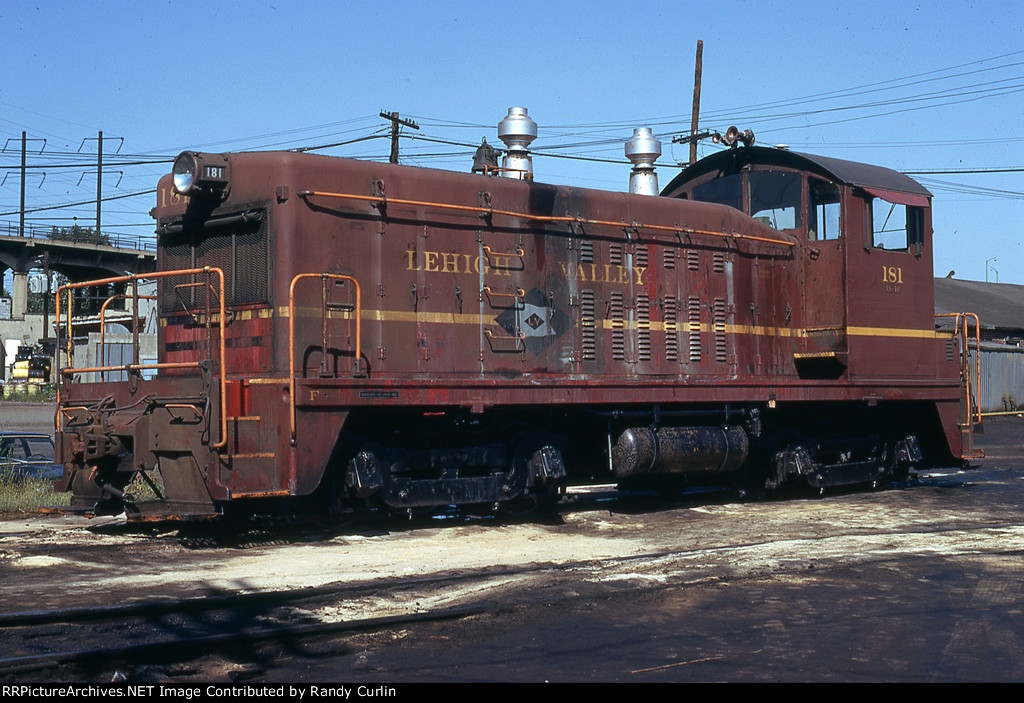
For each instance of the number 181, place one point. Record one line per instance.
(892, 274)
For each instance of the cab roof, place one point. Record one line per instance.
(839, 170)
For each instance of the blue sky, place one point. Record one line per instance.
(912, 86)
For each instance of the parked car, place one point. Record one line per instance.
(28, 455)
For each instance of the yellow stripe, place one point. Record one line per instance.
(452, 318)
(261, 314)
(444, 318)
(892, 332)
(233, 316)
(661, 326)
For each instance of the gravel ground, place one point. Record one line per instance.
(27, 417)
(908, 584)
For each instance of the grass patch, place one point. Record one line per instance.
(142, 490)
(28, 495)
(16, 393)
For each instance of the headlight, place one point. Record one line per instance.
(184, 172)
(195, 171)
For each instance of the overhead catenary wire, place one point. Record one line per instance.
(588, 142)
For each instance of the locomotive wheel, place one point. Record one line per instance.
(363, 475)
(538, 464)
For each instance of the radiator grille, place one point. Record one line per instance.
(238, 248)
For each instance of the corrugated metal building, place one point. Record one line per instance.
(1002, 378)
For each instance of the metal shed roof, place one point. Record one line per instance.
(999, 305)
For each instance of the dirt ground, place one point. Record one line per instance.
(920, 583)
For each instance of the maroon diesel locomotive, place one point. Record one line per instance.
(360, 333)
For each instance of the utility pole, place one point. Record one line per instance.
(395, 122)
(24, 166)
(21, 218)
(99, 181)
(698, 67)
(99, 174)
(693, 137)
(46, 298)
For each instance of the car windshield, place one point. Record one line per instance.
(15, 448)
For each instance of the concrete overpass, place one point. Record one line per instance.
(79, 261)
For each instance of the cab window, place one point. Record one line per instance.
(823, 218)
(895, 227)
(727, 190)
(775, 198)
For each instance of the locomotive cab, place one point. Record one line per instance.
(864, 252)
(865, 227)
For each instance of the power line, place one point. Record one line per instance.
(958, 171)
(80, 203)
(588, 140)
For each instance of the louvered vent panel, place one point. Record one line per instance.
(693, 318)
(588, 331)
(615, 254)
(641, 256)
(616, 313)
(587, 251)
(671, 330)
(718, 321)
(643, 325)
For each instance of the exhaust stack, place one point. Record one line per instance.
(642, 150)
(517, 130)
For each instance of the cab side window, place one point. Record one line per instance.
(823, 220)
(895, 227)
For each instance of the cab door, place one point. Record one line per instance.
(892, 303)
(824, 282)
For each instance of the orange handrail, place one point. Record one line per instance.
(495, 294)
(103, 324)
(291, 331)
(517, 254)
(70, 371)
(972, 391)
(566, 219)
